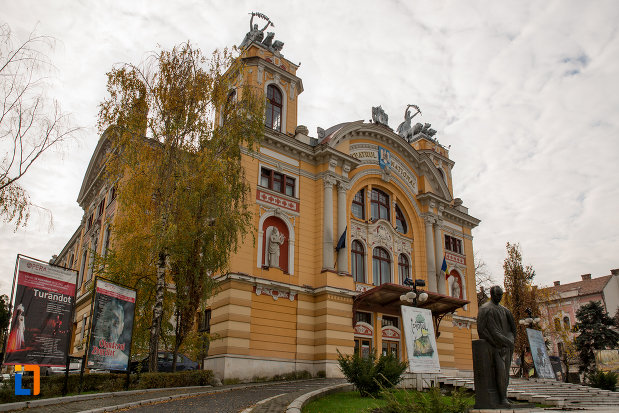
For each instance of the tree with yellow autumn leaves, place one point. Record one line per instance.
(177, 125)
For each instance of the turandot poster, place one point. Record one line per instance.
(418, 330)
(41, 322)
(112, 326)
(541, 361)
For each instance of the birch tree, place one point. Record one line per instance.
(177, 132)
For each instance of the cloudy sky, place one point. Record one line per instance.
(525, 92)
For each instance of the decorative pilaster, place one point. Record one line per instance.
(438, 249)
(342, 255)
(429, 220)
(327, 224)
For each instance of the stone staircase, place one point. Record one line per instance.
(549, 392)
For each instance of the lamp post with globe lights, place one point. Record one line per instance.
(414, 296)
(528, 322)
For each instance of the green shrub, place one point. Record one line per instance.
(51, 386)
(431, 401)
(603, 380)
(368, 374)
(321, 374)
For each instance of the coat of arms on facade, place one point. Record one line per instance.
(384, 158)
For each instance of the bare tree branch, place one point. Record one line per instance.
(30, 124)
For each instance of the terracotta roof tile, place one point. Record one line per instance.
(592, 286)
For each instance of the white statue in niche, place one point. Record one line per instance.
(454, 286)
(276, 239)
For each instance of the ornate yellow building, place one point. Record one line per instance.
(341, 220)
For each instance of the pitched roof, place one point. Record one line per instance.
(585, 287)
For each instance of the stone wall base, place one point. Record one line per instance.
(248, 368)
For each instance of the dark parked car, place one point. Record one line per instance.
(164, 362)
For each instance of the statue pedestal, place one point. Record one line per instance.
(486, 394)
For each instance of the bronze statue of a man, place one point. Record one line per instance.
(496, 325)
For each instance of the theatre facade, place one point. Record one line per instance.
(341, 220)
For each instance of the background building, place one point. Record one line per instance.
(563, 301)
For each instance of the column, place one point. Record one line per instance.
(327, 223)
(430, 254)
(440, 276)
(342, 254)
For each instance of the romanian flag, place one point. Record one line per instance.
(444, 267)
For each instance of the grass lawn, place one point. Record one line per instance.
(346, 402)
(352, 402)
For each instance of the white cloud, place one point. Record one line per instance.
(523, 91)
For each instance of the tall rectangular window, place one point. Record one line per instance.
(380, 205)
(358, 205)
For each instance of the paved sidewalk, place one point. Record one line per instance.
(234, 401)
(279, 404)
(222, 393)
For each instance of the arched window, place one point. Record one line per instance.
(400, 221)
(358, 205)
(380, 205)
(566, 322)
(358, 261)
(274, 108)
(382, 266)
(228, 106)
(403, 268)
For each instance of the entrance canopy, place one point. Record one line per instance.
(386, 299)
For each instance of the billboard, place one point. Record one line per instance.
(540, 354)
(418, 329)
(112, 326)
(41, 322)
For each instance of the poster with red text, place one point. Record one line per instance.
(41, 322)
(112, 326)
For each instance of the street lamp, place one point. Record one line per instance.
(414, 296)
(527, 322)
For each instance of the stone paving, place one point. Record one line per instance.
(236, 400)
(230, 398)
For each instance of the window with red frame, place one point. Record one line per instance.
(358, 205)
(382, 266)
(380, 205)
(403, 268)
(453, 244)
(358, 261)
(274, 108)
(276, 181)
(400, 221)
